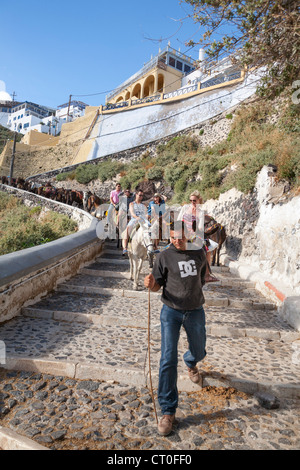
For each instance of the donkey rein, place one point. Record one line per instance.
(149, 358)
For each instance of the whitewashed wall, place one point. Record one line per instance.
(127, 129)
(263, 230)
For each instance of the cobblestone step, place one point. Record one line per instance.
(219, 299)
(104, 309)
(228, 282)
(61, 413)
(87, 351)
(77, 368)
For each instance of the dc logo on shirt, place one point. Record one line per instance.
(187, 268)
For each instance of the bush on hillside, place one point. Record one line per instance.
(133, 177)
(86, 173)
(185, 165)
(155, 173)
(108, 170)
(21, 227)
(67, 175)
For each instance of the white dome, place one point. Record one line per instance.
(4, 96)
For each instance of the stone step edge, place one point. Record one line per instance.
(126, 275)
(125, 262)
(211, 329)
(89, 371)
(10, 440)
(209, 301)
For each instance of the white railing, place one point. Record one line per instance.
(173, 94)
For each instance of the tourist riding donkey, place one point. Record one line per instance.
(137, 238)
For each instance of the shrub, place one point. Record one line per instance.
(288, 162)
(65, 176)
(109, 169)
(86, 173)
(290, 118)
(21, 228)
(245, 177)
(155, 173)
(180, 185)
(209, 171)
(173, 173)
(176, 149)
(133, 177)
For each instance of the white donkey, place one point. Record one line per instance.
(140, 248)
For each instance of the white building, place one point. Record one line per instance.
(27, 116)
(209, 73)
(6, 105)
(70, 111)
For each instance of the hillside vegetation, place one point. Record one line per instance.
(184, 165)
(23, 227)
(5, 135)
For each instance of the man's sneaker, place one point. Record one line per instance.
(125, 252)
(194, 374)
(165, 425)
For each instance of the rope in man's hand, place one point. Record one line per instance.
(149, 355)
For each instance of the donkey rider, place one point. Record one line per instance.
(138, 213)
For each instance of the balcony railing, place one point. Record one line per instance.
(174, 94)
(180, 92)
(222, 79)
(120, 104)
(147, 99)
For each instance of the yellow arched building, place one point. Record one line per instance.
(162, 74)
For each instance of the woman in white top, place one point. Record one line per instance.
(138, 212)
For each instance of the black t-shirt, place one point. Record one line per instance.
(181, 274)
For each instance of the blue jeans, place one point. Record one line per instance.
(193, 322)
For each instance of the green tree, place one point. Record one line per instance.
(259, 33)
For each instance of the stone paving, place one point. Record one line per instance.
(77, 368)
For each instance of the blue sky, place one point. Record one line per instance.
(50, 50)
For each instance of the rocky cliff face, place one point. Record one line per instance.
(263, 228)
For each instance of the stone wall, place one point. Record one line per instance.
(263, 229)
(30, 274)
(82, 218)
(209, 132)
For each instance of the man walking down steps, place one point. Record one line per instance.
(181, 273)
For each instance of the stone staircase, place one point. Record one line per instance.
(94, 327)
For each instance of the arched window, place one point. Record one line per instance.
(136, 92)
(149, 86)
